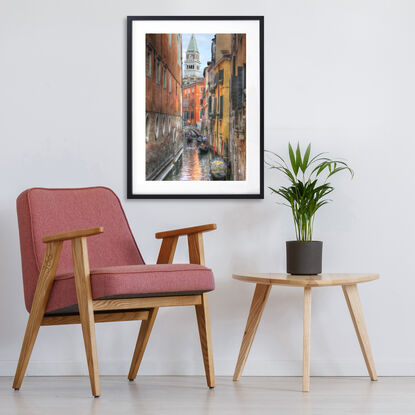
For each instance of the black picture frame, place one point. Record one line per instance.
(130, 194)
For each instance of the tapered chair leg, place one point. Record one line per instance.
(142, 340)
(40, 300)
(86, 310)
(203, 323)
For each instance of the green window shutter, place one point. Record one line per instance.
(234, 92)
(221, 76)
(240, 87)
(221, 107)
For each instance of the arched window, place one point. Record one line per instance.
(148, 63)
(158, 71)
(156, 127)
(147, 127)
(164, 126)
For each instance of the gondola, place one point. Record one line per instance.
(204, 147)
(189, 137)
(218, 169)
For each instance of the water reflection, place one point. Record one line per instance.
(193, 165)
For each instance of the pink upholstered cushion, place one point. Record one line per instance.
(43, 212)
(134, 281)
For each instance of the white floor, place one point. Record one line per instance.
(189, 395)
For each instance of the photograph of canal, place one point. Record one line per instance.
(195, 106)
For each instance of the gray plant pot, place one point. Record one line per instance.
(304, 258)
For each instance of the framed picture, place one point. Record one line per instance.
(195, 107)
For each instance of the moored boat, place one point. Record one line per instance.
(218, 169)
(204, 147)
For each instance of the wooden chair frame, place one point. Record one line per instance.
(126, 309)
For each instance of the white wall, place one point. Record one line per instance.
(338, 73)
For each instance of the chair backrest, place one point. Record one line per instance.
(42, 212)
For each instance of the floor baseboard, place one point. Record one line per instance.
(222, 368)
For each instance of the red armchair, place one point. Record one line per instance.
(105, 279)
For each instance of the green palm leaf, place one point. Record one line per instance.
(306, 196)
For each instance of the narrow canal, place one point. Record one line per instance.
(192, 165)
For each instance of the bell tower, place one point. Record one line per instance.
(192, 61)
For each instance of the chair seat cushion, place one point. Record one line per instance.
(131, 281)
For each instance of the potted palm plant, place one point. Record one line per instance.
(305, 195)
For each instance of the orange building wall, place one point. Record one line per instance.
(158, 98)
(192, 95)
(163, 102)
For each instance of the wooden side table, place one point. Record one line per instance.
(264, 282)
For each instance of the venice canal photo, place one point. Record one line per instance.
(195, 107)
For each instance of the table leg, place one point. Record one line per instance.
(351, 294)
(306, 339)
(255, 313)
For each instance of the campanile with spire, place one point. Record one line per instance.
(192, 61)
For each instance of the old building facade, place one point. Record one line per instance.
(204, 105)
(192, 106)
(209, 74)
(163, 101)
(237, 118)
(218, 106)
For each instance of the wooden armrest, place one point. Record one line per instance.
(73, 234)
(186, 231)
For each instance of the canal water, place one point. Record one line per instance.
(192, 165)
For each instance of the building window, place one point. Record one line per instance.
(193, 90)
(156, 127)
(164, 78)
(147, 127)
(169, 40)
(148, 63)
(220, 80)
(163, 128)
(221, 107)
(169, 125)
(158, 69)
(169, 84)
